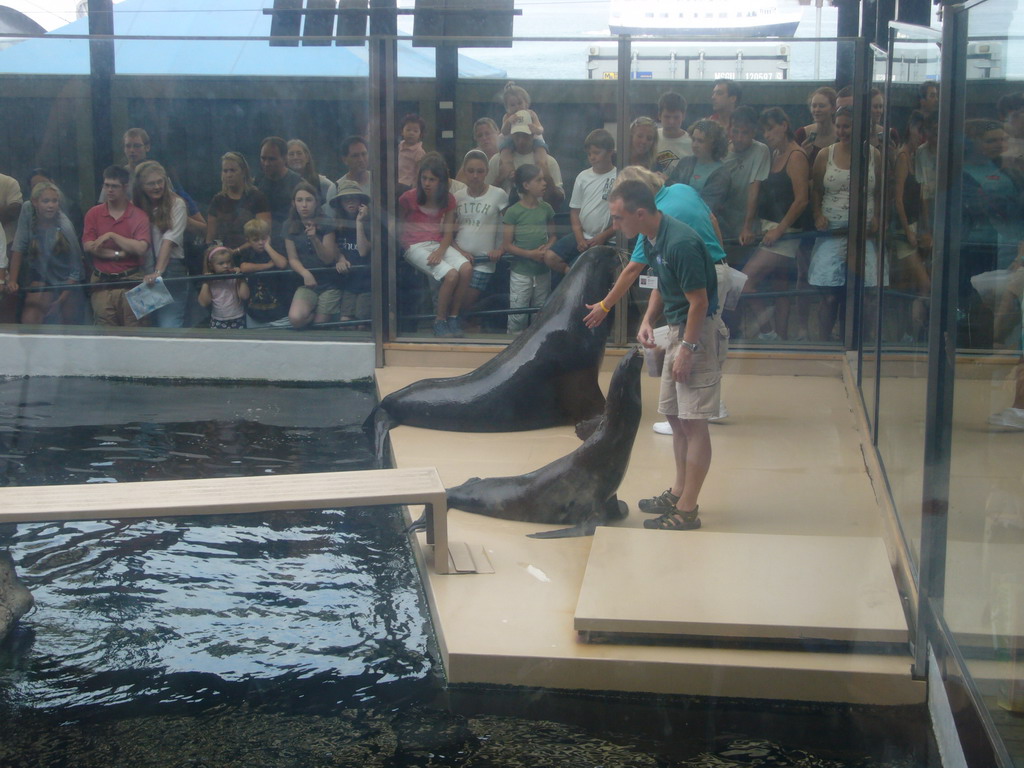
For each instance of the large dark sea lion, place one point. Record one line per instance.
(547, 377)
(578, 489)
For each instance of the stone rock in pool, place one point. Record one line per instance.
(15, 599)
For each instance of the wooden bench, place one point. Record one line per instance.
(236, 495)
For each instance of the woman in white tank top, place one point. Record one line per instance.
(830, 198)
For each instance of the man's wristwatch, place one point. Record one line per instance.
(689, 345)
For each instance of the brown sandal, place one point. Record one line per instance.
(675, 521)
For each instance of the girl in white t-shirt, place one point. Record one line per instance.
(478, 216)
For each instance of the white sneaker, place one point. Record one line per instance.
(723, 412)
(663, 428)
(1011, 417)
(769, 336)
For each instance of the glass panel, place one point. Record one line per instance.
(985, 569)
(479, 96)
(911, 120)
(498, 280)
(200, 109)
(363, 658)
(882, 154)
(758, 76)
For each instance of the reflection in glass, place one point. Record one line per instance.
(910, 120)
(870, 302)
(985, 570)
(990, 230)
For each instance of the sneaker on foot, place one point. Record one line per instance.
(723, 412)
(660, 505)
(441, 329)
(662, 428)
(455, 327)
(769, 336)
(1011, 417)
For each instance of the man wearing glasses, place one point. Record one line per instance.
(116, 236)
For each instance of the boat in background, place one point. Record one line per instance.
(744, 18)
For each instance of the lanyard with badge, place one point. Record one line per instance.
(649, 280)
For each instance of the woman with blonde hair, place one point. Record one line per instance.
(46, 251)
(643, 141)
(300, 160)
(153, 193)
(237, 203)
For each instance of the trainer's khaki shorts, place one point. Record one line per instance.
(699, 397)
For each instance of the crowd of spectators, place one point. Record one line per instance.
(300, 242)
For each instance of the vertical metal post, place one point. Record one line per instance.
(446, 80)
(938, 425)
(915, 12)
(622, 112)
(884, 212)
(383, 73)
(848, 26)
(868, 19)
(856, 235)
(886, 12)
(101, 66)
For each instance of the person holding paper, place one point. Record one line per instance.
(168, 216)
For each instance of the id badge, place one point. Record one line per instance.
(650, 282)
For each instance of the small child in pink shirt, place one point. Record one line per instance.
(410, 150)
(226, 298)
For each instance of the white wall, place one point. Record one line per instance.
(155, 357)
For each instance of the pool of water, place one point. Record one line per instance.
(295, 638)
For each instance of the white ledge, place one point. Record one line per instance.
(233, 357)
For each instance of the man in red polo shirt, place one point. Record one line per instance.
(116, 234)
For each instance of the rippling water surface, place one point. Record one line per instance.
(281, 639)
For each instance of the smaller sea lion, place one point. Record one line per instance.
(577, 489)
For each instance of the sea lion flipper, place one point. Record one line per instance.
(615, 509)
(377, 426)
(586, 528)
(586, 428)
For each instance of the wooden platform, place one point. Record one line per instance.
(236, 495)
(751, 587)
(787, 463)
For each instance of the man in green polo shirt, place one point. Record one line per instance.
(687, 293)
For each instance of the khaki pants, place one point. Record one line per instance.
(109, 307)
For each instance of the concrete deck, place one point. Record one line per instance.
(787, 464)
